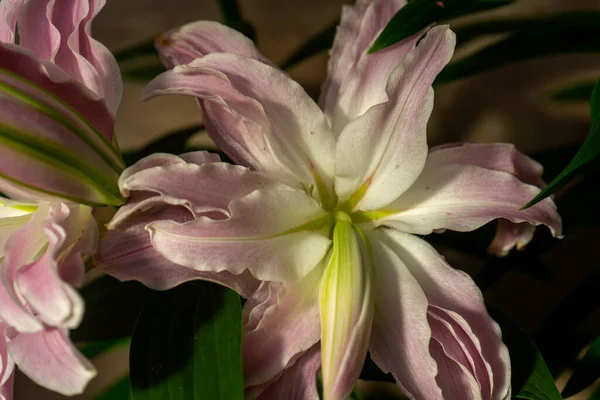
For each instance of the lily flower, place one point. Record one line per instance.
(325, 211)
(59, 92)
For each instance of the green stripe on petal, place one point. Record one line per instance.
(47, 152)
(41, 100)
(346, 308)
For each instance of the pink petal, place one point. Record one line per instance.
(59, 32)
(197, 39)
(381, 153)
(50, 359)
(510, 235)
(357, 80)
(455, 382)
(401, 334)
(127, 254)
(297, 382)
(266, 230)
(7, 366)
(455, 298)
(465, 197)
(48, 76)
(282, 322)
(258, 116)
(9, 12)
(192, 180)
(53, 301)
(500, 157)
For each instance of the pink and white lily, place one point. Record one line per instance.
(324, 212)
(59, 92)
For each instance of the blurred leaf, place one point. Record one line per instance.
(173, 142)
(187, 345)
(145, 72)
(143, 49)
(121, 390)
(595, 395)
(233, 17)
(419, 14)
(531, 379)
(586, 371)
(589, 151)
(322, 41)
(112, 308)
(93, 349)
(578, 92)
(537, 38)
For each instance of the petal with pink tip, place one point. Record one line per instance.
(191, 180)
(401, 334)
(127, 254)
(297, 382)
(454, 297)
(7, 366)
(59, 32)
(499, 157)
(265, 231)
(381, 153)
(282, 322)
(49, 358)
(357, 80)
(197, 39)
(258, 116)
(463, 198)
(9, 12)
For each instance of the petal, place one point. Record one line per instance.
(52, 300)
(199, 185)
(381, 153)
(463, 198)
(258, 116)
(357, 80)
(50, 359)
(500, 157)
(279, 235)
(127, 254)
(48, 147)
(282, 322)
(401, 334)
(59, 32)
(298, 382)
(9, 12)
(197, 39)
(346, 310)
(7, 366)
(67, 95)
(455, 382)
(510, 235)
(461, 304)
(497, 156)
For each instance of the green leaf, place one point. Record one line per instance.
(587, 153)
(586, 371)
(531, 379)
(595, 395)
(322, 41)
(119, 391)
(112, 308)
(578, 92)
(173, 142)
(419, 14)
(530, 38)
(93, 349)
(187, 345)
